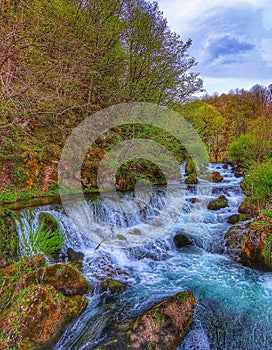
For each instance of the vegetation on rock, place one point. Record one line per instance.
(219, 203)
(38, 302)
(161, 327)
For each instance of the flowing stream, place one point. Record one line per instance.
(234, 309)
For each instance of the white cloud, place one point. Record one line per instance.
(221, 85)
(231, 39)
(266, 51)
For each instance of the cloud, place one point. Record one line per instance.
(231, 40)
(228, 46)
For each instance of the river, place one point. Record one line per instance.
(234, 310)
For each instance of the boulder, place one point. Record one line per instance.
(248, 206)
(219, 203)
(9, 241)
(215, 177)
(180, 240)
(75, 257)
(234, 239)
(161, 327)
(251, 243)
(191, 179)
(112, 286)
(37, 302)
(257, 246)
(37, 317)
(233, 219)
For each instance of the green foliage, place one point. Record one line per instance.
(42, 240)
(258, 181)
(159, 317)
(267, 250)
(209, 123)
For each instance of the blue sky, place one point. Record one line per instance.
(232, 40)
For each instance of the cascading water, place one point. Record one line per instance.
(234, 309)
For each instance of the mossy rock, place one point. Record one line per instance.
(64, 278)
(215, 177)
(161, 327)
(113, 286)
(37, 317)
(257, 247)
(49, 221)
(233, 219)
(9, 241)
(219, 203)
(38, 302)
(191, 179)
(190, 167)
(249, 207)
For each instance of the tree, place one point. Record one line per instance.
(157, 63)
(210, 124)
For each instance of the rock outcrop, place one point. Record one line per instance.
(191, 179)
(37, 302)
(219, 203)
(162, 327)
(249, 207)
(251, 243)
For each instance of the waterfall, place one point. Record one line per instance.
(183, 168)
(234, 302)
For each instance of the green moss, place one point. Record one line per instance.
(9, 241)
(183, 296)
(159, 317)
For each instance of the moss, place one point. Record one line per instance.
(34, 312)
(159, 317)
(112, 285)
(184, 296)
(219, 203)
(9, 241)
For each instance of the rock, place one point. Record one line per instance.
(249, 207)
(37, 317)
(194, 200)
(49, 221)
(191, 179)
(219, 203)
(249, 243)
(112, 286)
(234, 239)
(37, 302)
(62, 277)
(162, 327)
(239, 171)
(214, 177)
(190, 167)
(75, 257)
(257, 246)
(181, 240)
(233, 219)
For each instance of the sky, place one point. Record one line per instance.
(232, 40)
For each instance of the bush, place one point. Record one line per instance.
(42, 240)
(258, 182)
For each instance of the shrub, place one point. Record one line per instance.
(42, 240)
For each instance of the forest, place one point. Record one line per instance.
(64, 60)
